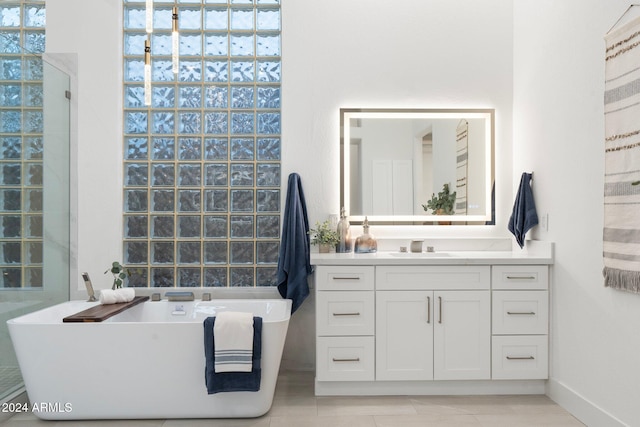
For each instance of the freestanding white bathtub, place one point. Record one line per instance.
(146, 362)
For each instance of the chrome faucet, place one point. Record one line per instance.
(179, 296)
(416, 245)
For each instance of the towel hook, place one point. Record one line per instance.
(622, 16)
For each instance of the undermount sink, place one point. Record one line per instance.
(419, 254)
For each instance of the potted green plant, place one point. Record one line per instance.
(443, 203)
(324, 236)
(119, 274)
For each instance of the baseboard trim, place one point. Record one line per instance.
(580, 407)
(427, 388)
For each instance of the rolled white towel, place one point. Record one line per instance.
(109, 296)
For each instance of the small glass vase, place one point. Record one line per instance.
(366, 243)
(344, 234)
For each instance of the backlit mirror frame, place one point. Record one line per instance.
(488, 114)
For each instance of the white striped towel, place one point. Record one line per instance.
(621, 235)
(233, 338)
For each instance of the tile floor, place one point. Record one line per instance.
(10, 379)
(295, 405)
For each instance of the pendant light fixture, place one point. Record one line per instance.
(147, 72)
(175, 40)
(147, 52)
(149, 16)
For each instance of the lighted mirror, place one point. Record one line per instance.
(394, 162)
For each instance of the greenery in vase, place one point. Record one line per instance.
(119, 274)
(443, 203)
(323, 234)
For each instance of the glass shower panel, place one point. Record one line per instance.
(34, 191)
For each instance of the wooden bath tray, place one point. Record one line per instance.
(103, 312)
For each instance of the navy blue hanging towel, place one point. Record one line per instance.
(232, 381)
(294, 261)
(524, 215)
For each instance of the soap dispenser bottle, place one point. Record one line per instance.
(366, 243)
(344, 234)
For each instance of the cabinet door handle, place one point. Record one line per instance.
(345, 278)
(439, 309)
(526, 313)
(356, 359)
(521, 277)
(428, 309)
(520, 358)
(347, 314)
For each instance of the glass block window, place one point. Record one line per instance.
(202, 162)
(22, 42)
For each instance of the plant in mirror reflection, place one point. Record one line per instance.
(443, 203)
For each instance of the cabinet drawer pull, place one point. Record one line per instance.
(345, 278)
(521, 277)
(428, 309)
(347, 314)
(525, 313)
(520, 358)
(357, 359)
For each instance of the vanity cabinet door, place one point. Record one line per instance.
(462, 335)
(404, 335)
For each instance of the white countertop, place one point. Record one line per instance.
(437, 258)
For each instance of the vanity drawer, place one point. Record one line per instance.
(432, 277)
(520, 312)
(345, 359)
(345, 313)
(520, 357)
(520, 277)
(344, 278)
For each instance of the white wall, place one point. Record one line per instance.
(93, 31)
(374, 54)
(559, 134)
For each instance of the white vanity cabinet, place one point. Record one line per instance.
(440, 331)
(447, 326)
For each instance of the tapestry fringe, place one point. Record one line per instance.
(624, 280)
